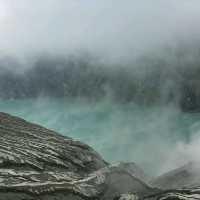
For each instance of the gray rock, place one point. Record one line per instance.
(187, 176)
(134, 170)
(180, 184)
(39, 164)
(127, 197)
(117, 180)
(176, 194)
(36, 162)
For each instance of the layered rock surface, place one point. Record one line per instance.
(39, 164)
(35, 162)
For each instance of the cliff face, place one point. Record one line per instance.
(39, 164)
(36, 161)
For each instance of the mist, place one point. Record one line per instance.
(131, 68)
(141, 51)
(116, 30)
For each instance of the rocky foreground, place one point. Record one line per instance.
(39, 164)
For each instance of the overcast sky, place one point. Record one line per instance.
(116, 28)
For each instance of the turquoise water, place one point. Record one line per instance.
(148, 136)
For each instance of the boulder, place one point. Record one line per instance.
(118, 179)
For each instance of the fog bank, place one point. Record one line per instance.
(116, 30)
(132, 65)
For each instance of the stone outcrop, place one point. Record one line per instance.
(39, 164)
(182, 183)
(186, 176)
(35, 161)
(118, 179)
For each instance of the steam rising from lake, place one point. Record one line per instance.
(117, 75)
(157, 138)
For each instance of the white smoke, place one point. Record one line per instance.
(184, 152)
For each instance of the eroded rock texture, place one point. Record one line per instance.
(39, 164)
(35, 162)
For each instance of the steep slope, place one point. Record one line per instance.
(119, 180)
(35, 161)
(39, 164)
(186, 176)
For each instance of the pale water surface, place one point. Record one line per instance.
(153, 137)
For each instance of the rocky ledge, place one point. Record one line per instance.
(39, 164)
